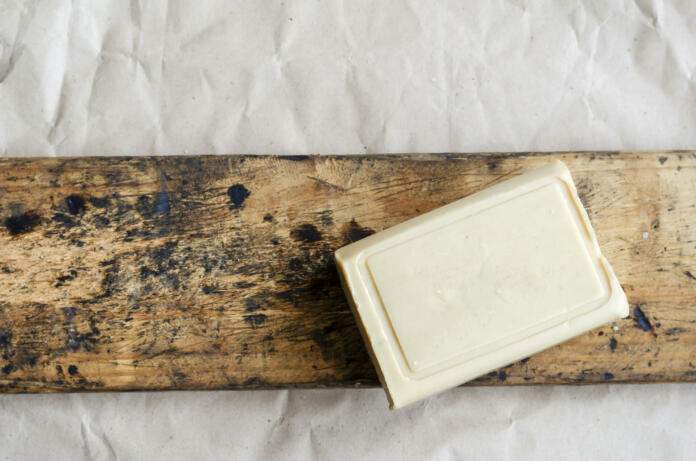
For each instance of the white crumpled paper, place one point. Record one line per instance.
(155, 77)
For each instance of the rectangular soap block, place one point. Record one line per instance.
(478, 284)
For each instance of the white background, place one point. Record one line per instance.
(225, 77)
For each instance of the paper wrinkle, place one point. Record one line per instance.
(649, 10)
(397, 80)
(169, 77)
(56, 102)
(96, 446)
(11, 49)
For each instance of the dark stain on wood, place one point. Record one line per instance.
(641, 321)
(22, 223)
(252, 305)
(306, 233)
(612, 344)
(296, 264)
(76, 339)
(99, 202)
(325, 338)
(326, 218)
(690, 275)
(674, 331)
(75, 204)
(64, 220)
(66, 278)
(237, 195)
(255, 320)
(5, 337)
(254, 381)
(352, 232)
(163, 201)
(294, 158)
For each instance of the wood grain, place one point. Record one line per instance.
(212, 272)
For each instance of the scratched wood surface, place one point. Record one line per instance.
(217, 272)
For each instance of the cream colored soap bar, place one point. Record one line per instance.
(478, 284)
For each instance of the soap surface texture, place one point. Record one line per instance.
(478, 284)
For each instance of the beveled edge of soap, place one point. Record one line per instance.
(614, 308)
(367, 340)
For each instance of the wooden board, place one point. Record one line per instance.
(212, 272)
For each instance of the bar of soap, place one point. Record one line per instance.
(478, 284)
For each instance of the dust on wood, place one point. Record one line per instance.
(217, 272)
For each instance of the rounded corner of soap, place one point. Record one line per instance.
(392, 405)
(396, 403)
(339, 256)
(623, 309)
(345, 255)
(617, 302)
(561, 170)
(560, 164)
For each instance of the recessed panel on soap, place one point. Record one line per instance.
(487, 279)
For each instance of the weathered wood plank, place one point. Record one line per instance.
(217, 272)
